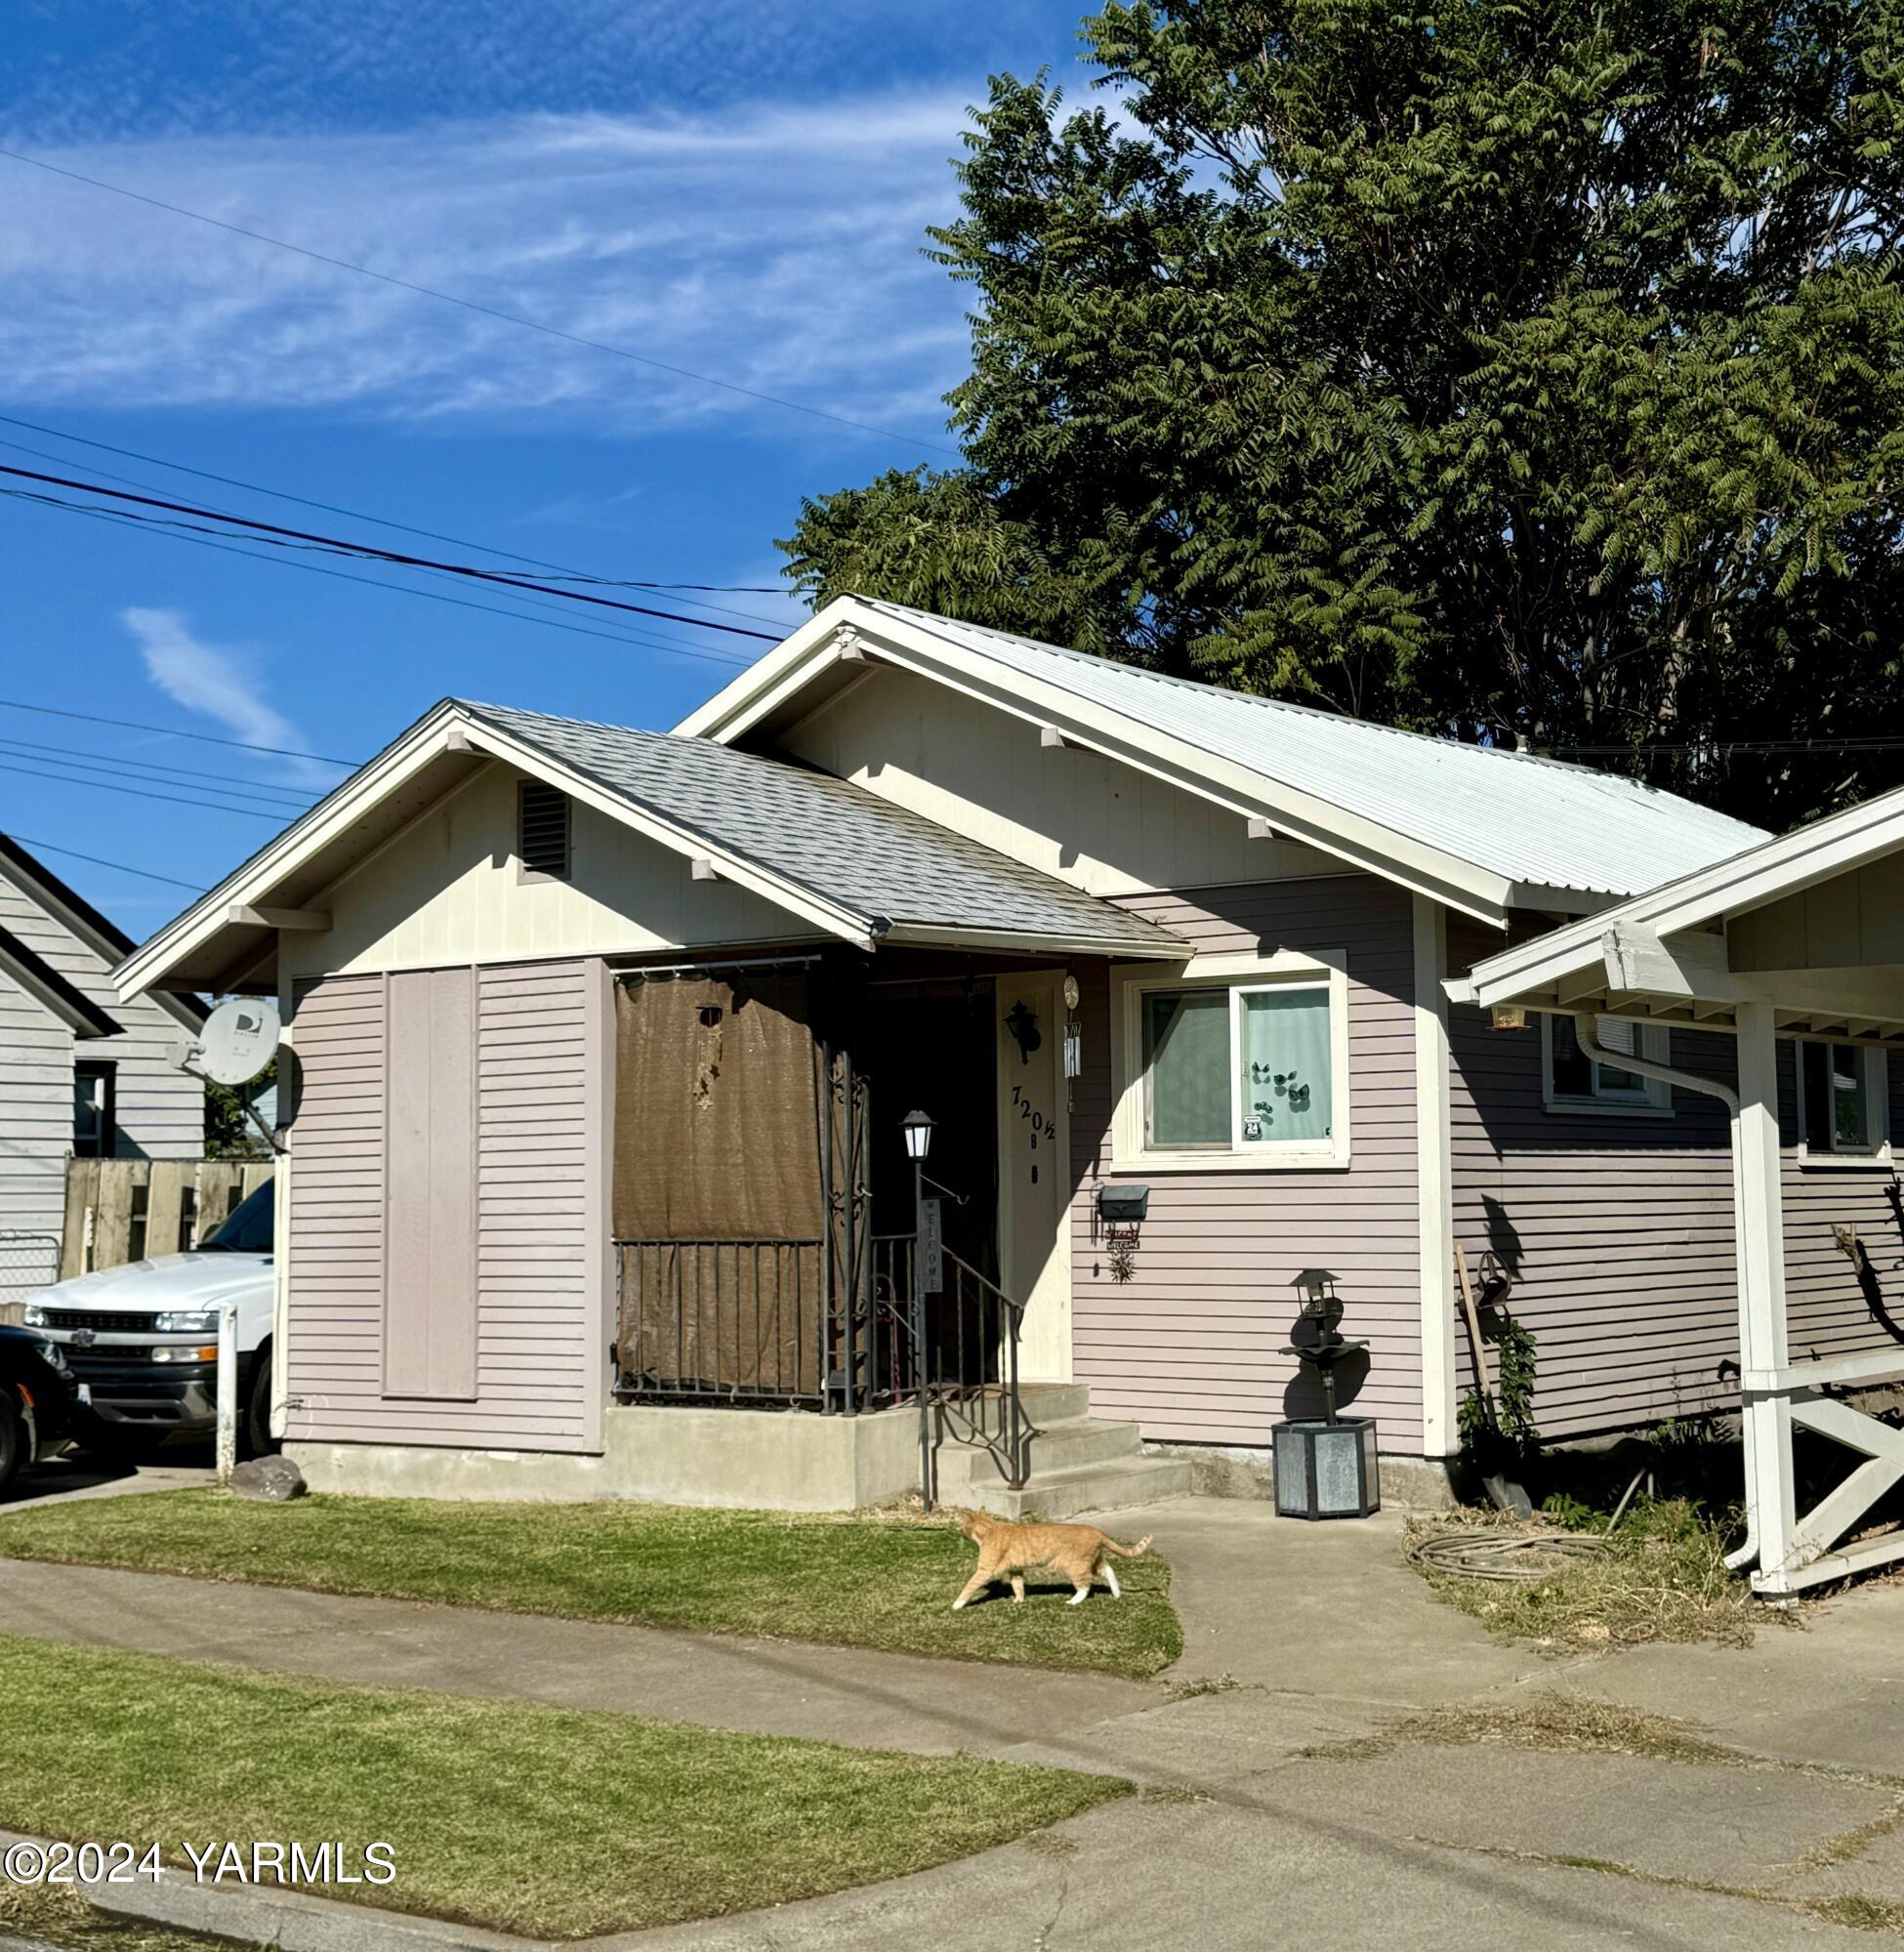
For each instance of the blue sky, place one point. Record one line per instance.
(736, 188)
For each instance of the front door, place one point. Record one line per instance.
(1034, 1178)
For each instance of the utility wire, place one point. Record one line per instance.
(472, 304)
(174, 732)
(72, 755)
(140, 793)
(1716, 746)
(261, 802)
(126, 518)
(118, 867)
(188, 531)
(557, 570)
(368, 550)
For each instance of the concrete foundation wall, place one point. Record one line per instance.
(759, 1460)
(1223, 1471)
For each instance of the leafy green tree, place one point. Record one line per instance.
(229, 1132)
(1532, 372)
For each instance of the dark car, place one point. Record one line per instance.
(37, 1398)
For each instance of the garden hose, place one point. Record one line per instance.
(1508, 1556)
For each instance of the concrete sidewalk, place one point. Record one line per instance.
(767, 1687)
(1305, 1637)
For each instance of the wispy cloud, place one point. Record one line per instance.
(780, 250)
(220, 682)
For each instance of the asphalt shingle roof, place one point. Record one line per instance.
(1530, 819)
(825, 835)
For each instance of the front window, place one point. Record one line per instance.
(1576, 1082)
(1841, 1099)
(94, 1124)
(1235, 1070)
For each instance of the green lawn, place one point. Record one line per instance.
(526, 1818)
(858, 1581)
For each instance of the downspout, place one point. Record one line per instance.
(1585, 1030)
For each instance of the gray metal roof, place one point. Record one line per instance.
(833, 839)
(1529, 819)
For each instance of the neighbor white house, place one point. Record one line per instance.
(82, 1073)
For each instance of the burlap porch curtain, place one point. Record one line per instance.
(718, 1198)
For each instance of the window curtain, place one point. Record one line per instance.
(1285, 1063)
(1186, 1067)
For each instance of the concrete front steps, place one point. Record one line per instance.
(1079, 1463)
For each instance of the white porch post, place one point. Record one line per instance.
(1435, 1184)
(1771, 1509)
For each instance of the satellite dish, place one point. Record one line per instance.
(238, 1040)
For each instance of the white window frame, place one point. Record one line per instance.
(1877, 1148)
(1654, 1100)
(1242, 976)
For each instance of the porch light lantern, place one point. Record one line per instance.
(916, 1127)
(1325, 1468)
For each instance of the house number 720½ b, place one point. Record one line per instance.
(1036, 1119)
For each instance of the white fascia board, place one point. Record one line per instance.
(307, 835)
(1760, 874)
(1302, 817)
(825, 915)
(772, 680)
(331, 818)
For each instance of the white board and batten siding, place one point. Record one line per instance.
(447, 1271)
(160, 1109)
(449, 889)
(1190, 1347)
(1618, 1232)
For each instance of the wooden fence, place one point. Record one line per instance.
(120, 1210)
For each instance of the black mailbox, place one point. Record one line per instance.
(1123, 1206)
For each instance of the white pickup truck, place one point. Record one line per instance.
(142, 1339)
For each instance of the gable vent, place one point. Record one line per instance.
(542, 829)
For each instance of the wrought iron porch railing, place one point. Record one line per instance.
(970, 1342)
(780, 1322)
(761, 1323)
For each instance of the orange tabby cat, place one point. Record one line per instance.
(1081, 1552)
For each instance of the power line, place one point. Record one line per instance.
(127, 519)
(261, 802)
(555, 569)
(186, 532)
(73, 754)
(472, 304)
(118, 867)
(140, 793)
(174, 732)
(268, 532)
(1715, 746)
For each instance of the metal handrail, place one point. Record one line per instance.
(952, 1401)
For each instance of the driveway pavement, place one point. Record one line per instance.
(170, 1468)
(1290, 1791)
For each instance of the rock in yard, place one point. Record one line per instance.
(269, 1480)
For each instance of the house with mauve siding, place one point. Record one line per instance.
(610, 1050)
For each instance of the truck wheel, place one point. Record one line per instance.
(13, 1439)
(255, 1437)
